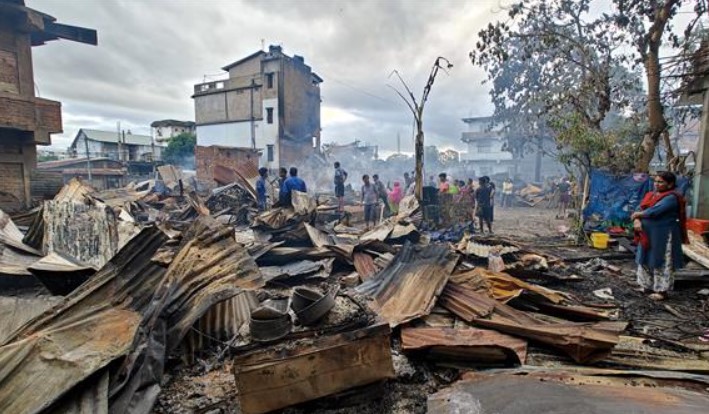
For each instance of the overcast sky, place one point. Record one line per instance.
(151, 53)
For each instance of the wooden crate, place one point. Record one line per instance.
(281, 376)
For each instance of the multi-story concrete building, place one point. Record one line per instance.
(112, 145)
(25, 120)
(486, 148)
(488, 156)
(162, 131)
(269, 102)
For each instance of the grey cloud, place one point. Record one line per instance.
(151, 53)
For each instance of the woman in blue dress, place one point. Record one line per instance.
(660, 230)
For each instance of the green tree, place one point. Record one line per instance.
(648, 25)
(180, 150)
(551, 61)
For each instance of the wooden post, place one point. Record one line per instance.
(700, 201)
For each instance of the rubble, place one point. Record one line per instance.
(264, 311)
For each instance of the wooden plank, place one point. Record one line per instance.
(276, 378)
(697, 249)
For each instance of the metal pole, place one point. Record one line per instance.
(88, 159)
(253, 126)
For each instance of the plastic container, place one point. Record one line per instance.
(698, 226)
(599, 240)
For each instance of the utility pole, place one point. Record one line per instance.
(417, 110)
(253, 124)
(88, 159)
(398, 143)
(118, 138)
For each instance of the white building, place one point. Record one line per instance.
(162, 131)
(485, 148)
(112, 145)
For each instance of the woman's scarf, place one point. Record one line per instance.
(641, 238)
(395, 195)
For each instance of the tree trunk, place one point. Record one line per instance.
(655, 111)
(418, 148)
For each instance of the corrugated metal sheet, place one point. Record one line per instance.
(423, 338)
(304, 268)
(502, 286)
(15, 256)
(86, 233)
(16, 311)
(466, 303)
(211, 267)
(75, 190)
(58, 357)
(221, 322)
(98, 322)
(408, 288)
(514, 394)
(364, 264)
(583, 342)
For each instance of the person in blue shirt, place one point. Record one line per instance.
(292, 183)
(261, 188)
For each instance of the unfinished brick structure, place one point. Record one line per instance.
(25, 120)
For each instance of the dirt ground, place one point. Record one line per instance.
(207, 387)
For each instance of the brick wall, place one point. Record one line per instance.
(12, 190)
(237, 158)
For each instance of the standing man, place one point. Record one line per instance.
(483, 204)
(564, 190)
(407, 180)
(507, 189)
(282, 176)
(292, 183)
(382, 194)
(261, 188)
(369, 200)
(340, 178)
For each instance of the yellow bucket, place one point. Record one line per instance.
(599, 240)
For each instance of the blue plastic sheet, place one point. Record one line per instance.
(613, 198)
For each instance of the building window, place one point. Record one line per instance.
(269, 115)
(484, 147)
(269, 153)
(269, 80)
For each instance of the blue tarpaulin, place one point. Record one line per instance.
(612, 198)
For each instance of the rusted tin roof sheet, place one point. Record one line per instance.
(245, 177)
(583, 342)
(75, 190)
(514, 394)
(221, 322)
(364, 264)
(16, 311)
(210, 267)
(422, 338)
(466, 303)
(408, 287)
(59, 356)
(86, 233)
(502, 286)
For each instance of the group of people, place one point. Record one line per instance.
(479, 199)
(288, 181)
(373, 194)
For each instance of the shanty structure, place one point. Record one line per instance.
(25, 120)
(123, 146)
(105, 172)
